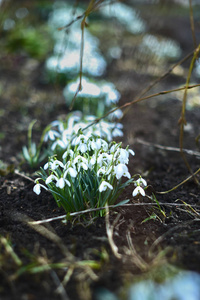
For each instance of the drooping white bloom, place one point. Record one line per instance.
(72, 172)
(121, 170)
(80, 158)
(56, 163)
(104, 186)
(50, 178)
(46, 166)
(37, 188)
(82, 147)
(141, 182)
(131, 152)
(83, 165)
(80, 139)
(51, 135)
(138, 190)
(101, 171)
(104, 158)
(60, 183)
(122, 155)
(91, 161)
(60, 143)
(68, 152)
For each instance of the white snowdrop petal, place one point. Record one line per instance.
(72, 172)
(131, 152)
(50, 178)
(46, 166)
(37, 189)
(60, 183)
(138, 190)
(104, 185)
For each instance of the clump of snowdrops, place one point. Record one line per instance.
(57, 136)
(91, 174)
(61, 132)
(96, 98)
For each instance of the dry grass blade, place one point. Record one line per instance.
(182, 120)
(109, 231)
(181, 183)
(192, 24)
(16, 216)
(167, 148)
(135, 257)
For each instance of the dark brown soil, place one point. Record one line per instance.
(154, 122)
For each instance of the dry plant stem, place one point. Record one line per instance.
(161, 78)
(138, 100)
(181, 183)
(182, 120)
(170, 231)
(166, 148)
(60, 288)
(92, 6)
(62, 217)
(10, 251)
(16, 216)
(81, 63)
(192, 24)
(136, 258)
(24, 176)
(109, 231)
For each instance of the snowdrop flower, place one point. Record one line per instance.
(117, 114)
(121, 170)
(80, 139)
(104, 158)
(56, 163)
(101, 171)
(82, 147)
(68, 152)
(59, 124)
(61, 183)
(138, 190)
(95, 145)
(58, 143)
(46, 165)
(83, 165)
(91, 162)
(141, 182)
(79, 159)
(37, 188)
(117, 132)
(104, 186)
(104, 145)
(72, 172)
(123, 156)
(50, 178)
(52, 135)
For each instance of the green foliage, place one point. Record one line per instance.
(33, 153)
(34, 41)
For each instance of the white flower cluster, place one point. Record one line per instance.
(61, 133)
(107, 162)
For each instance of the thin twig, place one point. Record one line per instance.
(109, 231)
(181, 183)
(103, 208)
(24, 176)
(161, 78)
(182, 120)
(192, 24)
(167, 148)
(138, 100)
(162, 237)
